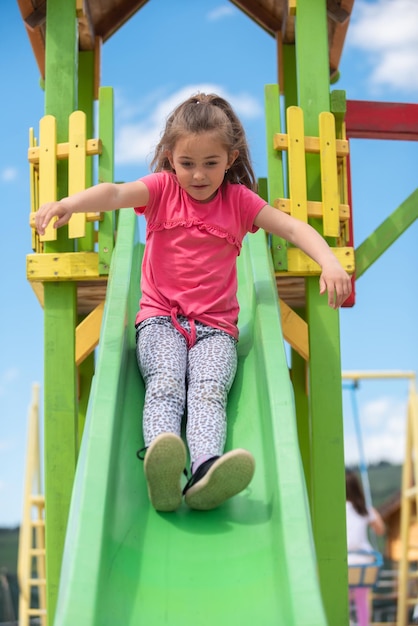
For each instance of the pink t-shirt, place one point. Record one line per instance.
(189, 265)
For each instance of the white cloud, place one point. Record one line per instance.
(220, 12)
(9, 174)
(6, 445)
(7, 377)
(387, 31)
(383, 428)
(136, 140)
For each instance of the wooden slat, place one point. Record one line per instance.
(48, 169)
(93, 146)
(38, 523)
(297, 166)
(329, 175)
(300, 264)
(87, 334)
(65, 266)
(281, 142)
(37, 582)
(77, 169)
(295, 330)
(34, 193)
(36, 612)
(90, 217)
(37, 551)
(314, 208)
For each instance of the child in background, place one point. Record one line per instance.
(199, 203)
(359, 518)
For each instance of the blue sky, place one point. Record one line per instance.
(152, 67)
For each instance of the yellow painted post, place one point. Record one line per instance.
(33, 190)
(77, 168)
(409, 501)
(406, 514)
(329, 175)
(87, 334)
(32, 532)
(48, 168)
(295, 330)
(297, 164)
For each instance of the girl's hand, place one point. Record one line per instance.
(337, 282)
(47, 211)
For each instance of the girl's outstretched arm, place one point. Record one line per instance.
(377, 523)
(334, 279)
(100, 198)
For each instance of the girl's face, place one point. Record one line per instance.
(200, 161)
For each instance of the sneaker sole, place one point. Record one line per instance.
(229, 475)
(164, 463)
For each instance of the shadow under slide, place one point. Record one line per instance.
(252, 560)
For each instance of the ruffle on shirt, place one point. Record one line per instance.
(212, 229)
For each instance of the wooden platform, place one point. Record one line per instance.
(90, 294)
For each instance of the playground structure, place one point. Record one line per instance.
(398, 587)
(121, 561)
(405, 587)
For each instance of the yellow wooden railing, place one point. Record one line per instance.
(332, 209)
(43, 159)
(90, 264)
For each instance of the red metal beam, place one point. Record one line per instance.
(381, 120)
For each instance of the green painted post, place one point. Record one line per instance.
(86, 79)
(290, 90)
(298, 364)
(274, 169)
(86, 71)
(60, 405)
(327, 443)
(299, 382)
(106, 174)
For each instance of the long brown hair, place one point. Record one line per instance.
(202, 113)
(354, 492)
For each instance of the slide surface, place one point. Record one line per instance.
(251, 561)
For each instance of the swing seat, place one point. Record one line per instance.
(363, 568)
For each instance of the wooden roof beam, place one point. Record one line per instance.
(37, 17)
(336, 12)
(260, 15)
(115, 17)
(86, 29)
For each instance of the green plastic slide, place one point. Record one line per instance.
(249, 562)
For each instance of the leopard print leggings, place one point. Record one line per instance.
(175, 376)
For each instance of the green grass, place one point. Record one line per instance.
(385, 482)
(9, 540)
